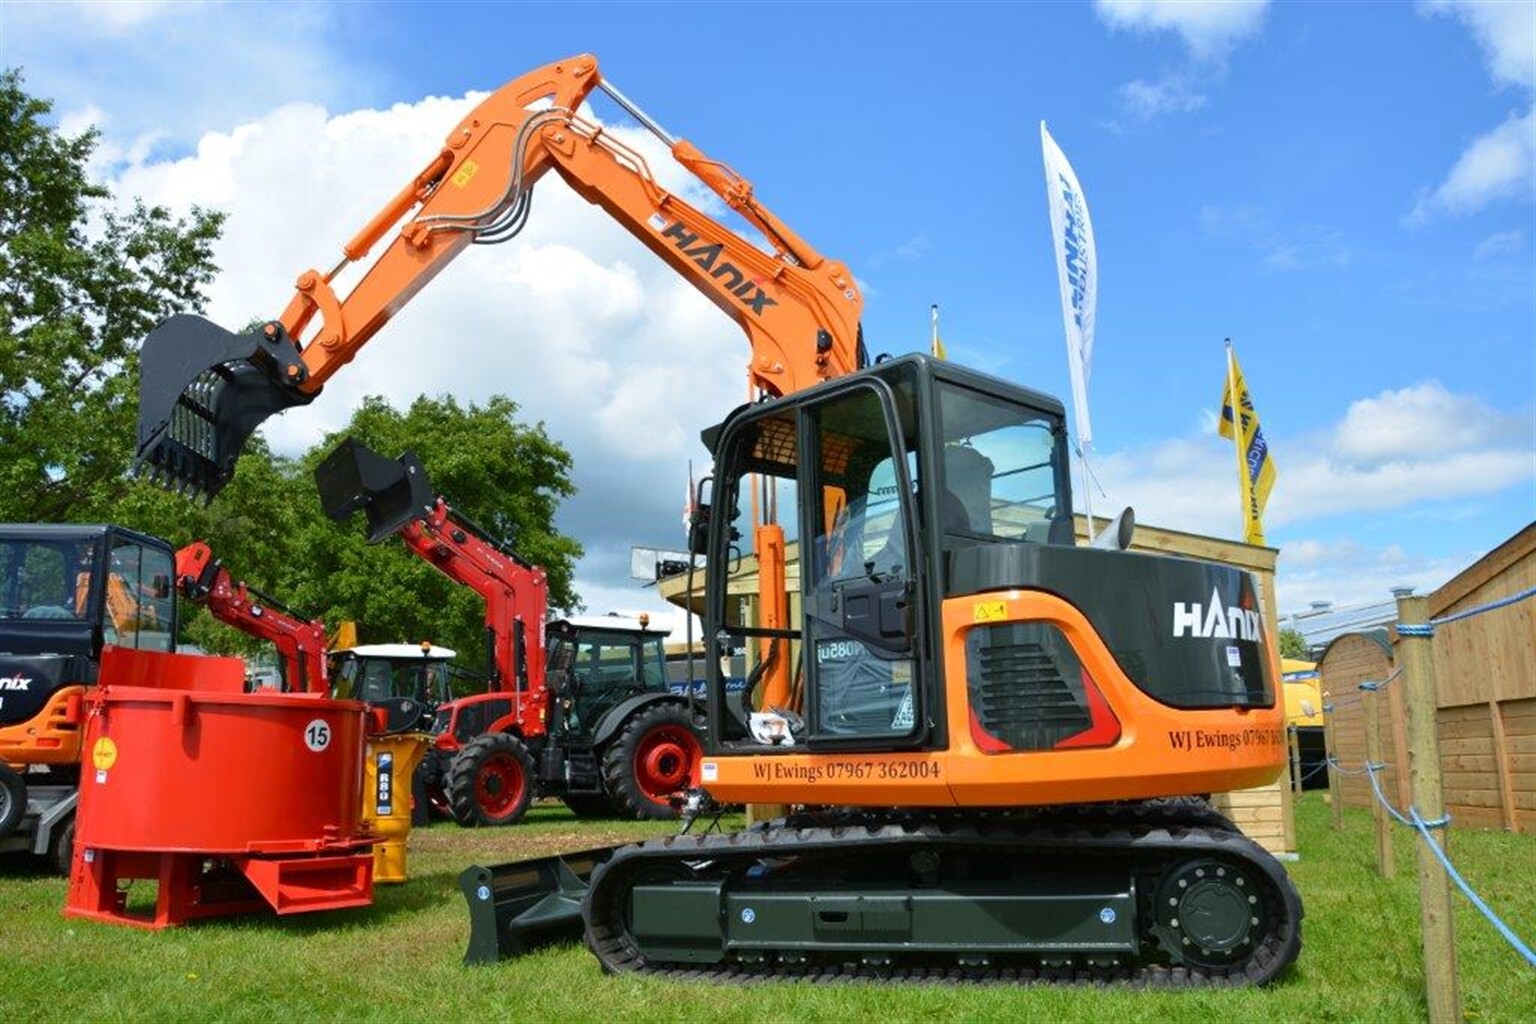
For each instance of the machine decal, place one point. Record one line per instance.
(465, 174)
(846, 771)
(989, 611)
(384, 796)
(710, 771)
(747, 291)
(1218, 621)
(104, 753)
(317, 735)
(1190, 740)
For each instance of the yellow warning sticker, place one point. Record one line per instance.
(989, 611)
(466, 171)
(104, 754)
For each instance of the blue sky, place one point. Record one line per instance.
(1344, 189)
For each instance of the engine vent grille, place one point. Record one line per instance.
(1026, 691)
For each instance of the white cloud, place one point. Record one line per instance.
(161, 74)
(1500, 243)
(1209, 28)
(1423, 420)
(1496, 165)
(1173, 95)
(1501, 163)
(1285, 246)
(575, 320)
(1506, 31)
(1392, 451)
(1347, 573)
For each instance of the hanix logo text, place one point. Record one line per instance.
(1212, 620)
(707, 255)
(15, 682)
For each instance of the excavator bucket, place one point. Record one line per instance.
(391, 492)
(202, 391)
(517, 906)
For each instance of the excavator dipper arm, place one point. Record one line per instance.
(203, 580)
(203, 390)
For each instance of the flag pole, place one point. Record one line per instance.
(1082, 457)
(1243, 500)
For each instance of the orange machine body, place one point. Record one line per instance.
(52, 736)
(1145, 748)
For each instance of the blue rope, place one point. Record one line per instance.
(1415, 629)
(1466, 890)
(1501, 603)
(1414, 821)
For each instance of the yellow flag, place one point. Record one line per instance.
(1255, 467)
(938, 346)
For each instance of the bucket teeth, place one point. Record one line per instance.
(202, 392)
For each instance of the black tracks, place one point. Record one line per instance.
(1148, 834)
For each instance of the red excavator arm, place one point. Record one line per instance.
(203, 579)
(396, 498)
(203, 389)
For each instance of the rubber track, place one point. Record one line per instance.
(1156, 830)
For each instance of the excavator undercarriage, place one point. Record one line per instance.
(1165, 893)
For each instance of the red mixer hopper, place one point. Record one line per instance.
(232, 801)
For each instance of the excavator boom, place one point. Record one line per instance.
(204, 580)
(204, 390)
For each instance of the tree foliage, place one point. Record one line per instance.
(82, 282)
(1294, 645)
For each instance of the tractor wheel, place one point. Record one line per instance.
(589, 805)
(656, 754)
(490, 781)
(13, 799)
(433, 773)
(61, 847)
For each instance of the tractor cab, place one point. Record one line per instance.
(376, 673)
(65, 592)
(597, 663)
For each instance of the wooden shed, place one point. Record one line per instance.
(1264, 814)
(1485, 678)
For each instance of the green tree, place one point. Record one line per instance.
(1294, 645)
(507, 477)
(81, 283)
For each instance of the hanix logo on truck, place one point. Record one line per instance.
(705, 254)
(1212, 620)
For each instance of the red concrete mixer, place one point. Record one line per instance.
(230, 801)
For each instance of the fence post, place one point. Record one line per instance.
(1294, 742)
(1416, 655)
(1386, 864)
(1331, 753)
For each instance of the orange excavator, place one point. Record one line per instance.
(988, 728)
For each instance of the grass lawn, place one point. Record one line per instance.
(400, 958)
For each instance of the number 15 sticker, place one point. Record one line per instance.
(317, 735)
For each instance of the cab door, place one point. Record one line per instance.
(860, 577)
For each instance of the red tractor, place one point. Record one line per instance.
(578, 709)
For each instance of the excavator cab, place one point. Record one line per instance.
(945, 607)
(65, 592)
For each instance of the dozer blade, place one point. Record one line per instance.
(391, 492)
(519, 906)
(202, 391)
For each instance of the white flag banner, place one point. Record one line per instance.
(1077, 267)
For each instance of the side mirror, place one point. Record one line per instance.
(1117, 535)
(698, 530)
